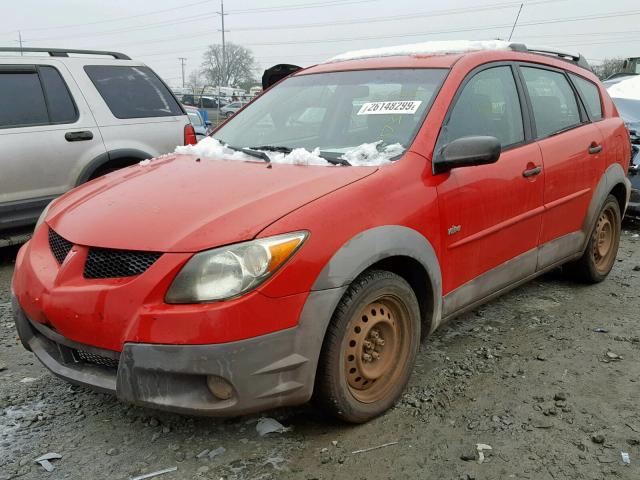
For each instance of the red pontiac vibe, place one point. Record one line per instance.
(307, 245)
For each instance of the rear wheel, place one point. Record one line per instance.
(370, 347)
(600, 255)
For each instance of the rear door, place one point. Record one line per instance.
(491, 213)
(572, 152)
(47, 133)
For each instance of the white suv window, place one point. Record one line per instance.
(22, 100)
(133, 92)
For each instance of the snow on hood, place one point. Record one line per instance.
(443, 47)
(629, 88)
(365, 155)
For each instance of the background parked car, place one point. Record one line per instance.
(232, 108)
(204, 101)
(625, 93)
(67, 119)
(200, 124)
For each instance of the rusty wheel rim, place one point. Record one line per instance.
(604, 241)
(376, 349)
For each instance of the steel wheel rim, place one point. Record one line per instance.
(376, 348)
(604, 240)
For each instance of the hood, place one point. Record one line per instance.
(181, 203)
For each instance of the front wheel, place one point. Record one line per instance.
(369, 348)
(602, 248)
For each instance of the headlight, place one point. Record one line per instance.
(43, 215)
(227, 272)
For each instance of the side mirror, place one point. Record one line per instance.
(467, 152)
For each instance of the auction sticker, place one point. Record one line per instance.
(386, 108)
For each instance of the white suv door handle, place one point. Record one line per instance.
(78, 136)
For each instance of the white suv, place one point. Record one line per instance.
(68, 116)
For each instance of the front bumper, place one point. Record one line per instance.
(268, 371)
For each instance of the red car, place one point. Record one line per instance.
(307, 245)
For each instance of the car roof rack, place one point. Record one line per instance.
(64, 52)
(575, 58)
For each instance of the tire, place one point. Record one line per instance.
(112, 167)
(602, 247)
(369, 349)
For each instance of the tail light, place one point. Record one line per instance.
(189, 135)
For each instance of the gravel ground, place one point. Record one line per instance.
(525, 374)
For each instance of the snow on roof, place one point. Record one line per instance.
(628, 88)
(425, 48)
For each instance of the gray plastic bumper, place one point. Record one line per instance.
(269, 371)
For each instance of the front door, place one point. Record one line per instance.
(491, 214)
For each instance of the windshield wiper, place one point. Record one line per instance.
(251, 152)
(335, 160)
(273, 148)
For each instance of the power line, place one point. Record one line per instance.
(194, 18)
(390, 18)
(149, 26)
(116, 19)
(435, 32)
(299, 6)
(181, 20)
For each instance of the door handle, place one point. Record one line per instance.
(595, 148)
(78, 136)
(532, 172)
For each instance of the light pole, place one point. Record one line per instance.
(182, 61)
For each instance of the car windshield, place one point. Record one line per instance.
(338, 113)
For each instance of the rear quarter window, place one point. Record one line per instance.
(590, 94)
(61, 106)
(133, 92)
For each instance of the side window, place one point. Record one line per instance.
(488, 105)
(61, 106)
(21, 100)
(591, 95)
(133, 92)
(554, 104)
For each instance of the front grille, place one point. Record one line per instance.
(106, 263)
(60, 247)
(96, 359)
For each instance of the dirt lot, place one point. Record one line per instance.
(526, 374)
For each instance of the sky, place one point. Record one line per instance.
(305, 32)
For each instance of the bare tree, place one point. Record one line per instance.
(238, 68)
(608, 67)
(196, 82)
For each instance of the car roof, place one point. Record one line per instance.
(445, 55)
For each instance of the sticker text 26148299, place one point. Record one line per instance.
(386, 108)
